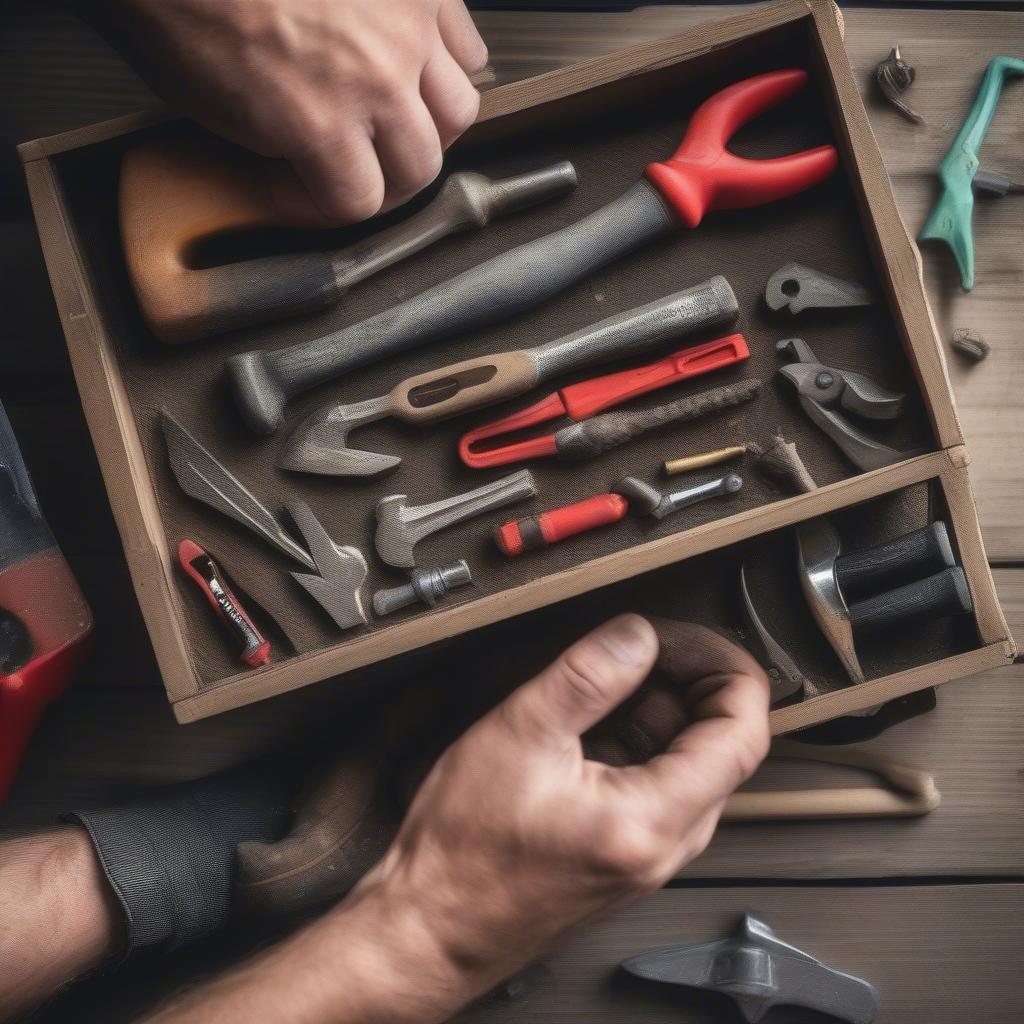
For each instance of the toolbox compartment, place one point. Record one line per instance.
(610, 116)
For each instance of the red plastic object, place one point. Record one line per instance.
(702, 175)
(41, 596)
(200, 567)
(558, 523)
(589, 397)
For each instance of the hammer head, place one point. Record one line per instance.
(319, 444)
(644, 500)
(394, 540)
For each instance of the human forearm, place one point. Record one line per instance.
(377, 958)
(58, 916)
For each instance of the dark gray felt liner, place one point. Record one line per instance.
(641, 121)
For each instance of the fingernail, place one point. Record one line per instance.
(629, 640)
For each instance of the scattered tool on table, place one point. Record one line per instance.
(780, 461)
(400, 526)
(199, 566)
(175, 195)
(796, 288)
(588, 438)
(342, 571)
(970, 344)
(426, 586)
(202, 477)
(701, 176)
(993, 185)
(687, 463)
(894, 77)
(909, 580)
(757, 970)
(911, 792)
(45, 623)
(950, 220)
(320, 443)
(826, 393)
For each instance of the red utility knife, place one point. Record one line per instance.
(589, 397)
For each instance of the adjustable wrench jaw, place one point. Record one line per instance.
(818, 547)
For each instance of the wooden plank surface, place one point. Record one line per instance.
(936, 954)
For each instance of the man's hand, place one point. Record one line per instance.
(360, 97)
(515, 836)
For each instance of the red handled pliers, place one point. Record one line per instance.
(702, 175)
(589, 397)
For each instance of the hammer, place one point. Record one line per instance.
(174, 194)
(903, 582)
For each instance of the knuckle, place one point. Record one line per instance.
(584, 678)
(630, 854)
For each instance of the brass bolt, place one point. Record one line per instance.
(688, 462)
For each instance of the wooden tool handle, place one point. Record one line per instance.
(911, 792)
(176, 192)
(438, 394)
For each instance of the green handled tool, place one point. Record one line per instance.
(950, 219)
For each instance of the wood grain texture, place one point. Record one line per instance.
(937, 955)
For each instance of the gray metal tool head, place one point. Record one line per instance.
(818, 547)
(647, 500)
(202, 477)
(798, 288)
(319, 444)
(425, 586)
(757, 970)
(400, 526)
(342, 570)
(783, 675)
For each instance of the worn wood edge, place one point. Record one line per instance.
(640, 58)
(619, 565)
(108, 415)
(988, 614)
(885, 688)
(75, 138)
(906, 294)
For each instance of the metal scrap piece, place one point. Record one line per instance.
(202, 477)
(970, 344)
(342, 570)
(757, 970)
(894, 76)
(799, 287)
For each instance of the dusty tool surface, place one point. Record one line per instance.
(112, 733)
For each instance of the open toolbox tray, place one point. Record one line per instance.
(610, 116)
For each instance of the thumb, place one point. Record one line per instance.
(587, 681)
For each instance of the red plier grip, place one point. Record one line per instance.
(702, 175)
(589, 397)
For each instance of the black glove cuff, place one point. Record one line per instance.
(169, 870)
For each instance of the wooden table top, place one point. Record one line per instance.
(928, 909)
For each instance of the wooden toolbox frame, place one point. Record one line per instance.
(151, 560)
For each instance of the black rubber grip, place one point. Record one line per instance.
(510, 283)
(910, 557)
(945, 593)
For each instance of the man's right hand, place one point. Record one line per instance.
(516, 836)
(359, 97)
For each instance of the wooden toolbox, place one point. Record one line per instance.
(610, 116)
